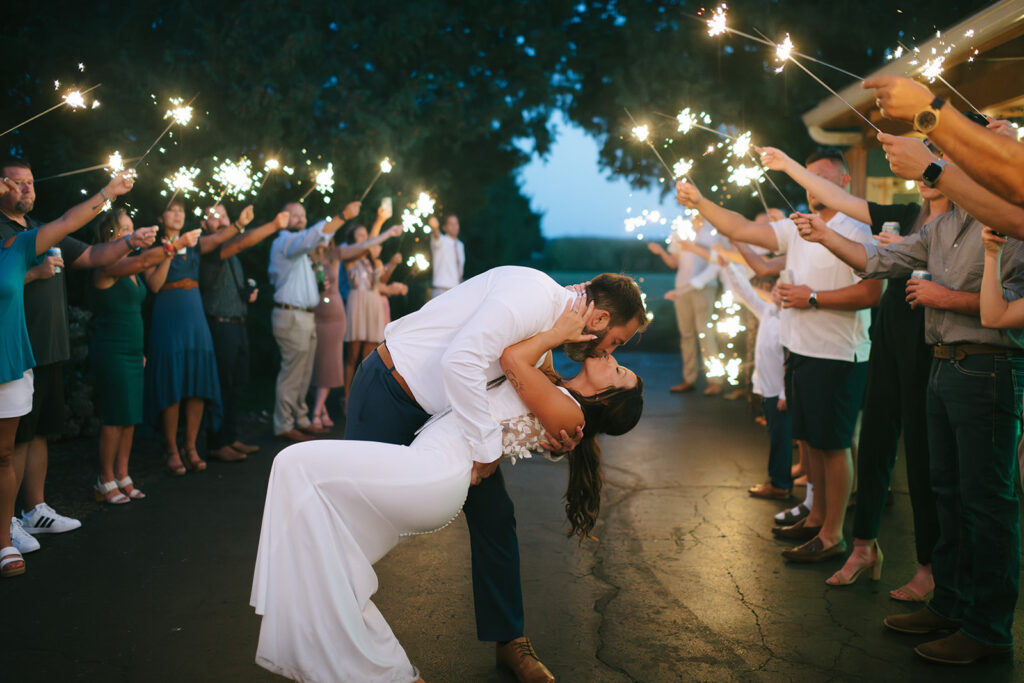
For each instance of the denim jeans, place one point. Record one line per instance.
(780, 457)
(974, 410)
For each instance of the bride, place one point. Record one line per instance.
(334, 508)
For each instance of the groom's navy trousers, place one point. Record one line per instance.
(379, 410)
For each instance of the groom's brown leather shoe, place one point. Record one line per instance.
(519, 656)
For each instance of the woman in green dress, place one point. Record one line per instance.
(116, 353)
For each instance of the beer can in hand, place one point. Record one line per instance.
(920, 275)
(786, 277)
(890, 228)
(55, 251)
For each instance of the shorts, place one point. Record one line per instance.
(824, 398)
(47, 415)
(16, 396)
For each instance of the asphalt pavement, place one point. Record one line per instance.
(685, 581)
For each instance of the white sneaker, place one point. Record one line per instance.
(43, 519)
(23, 541)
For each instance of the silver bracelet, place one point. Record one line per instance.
(103, 193)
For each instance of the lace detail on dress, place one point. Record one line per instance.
(521, 437)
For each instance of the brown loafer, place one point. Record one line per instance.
(768, 490)
(245, 448)
(683, 388)
(519, 656)
(227, 454)
(796, 532)
(922, 621)
(957, 649)
(713, 390)
(293, 435)
(815, 551)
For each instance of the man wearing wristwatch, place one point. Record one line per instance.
(46, 316)
(973, 418)
(824, 329)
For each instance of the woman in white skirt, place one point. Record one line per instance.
(18, 254)
(334, 508)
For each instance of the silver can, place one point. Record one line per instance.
(890, 228)
(786, 277)
(55, 251)
(920, 275)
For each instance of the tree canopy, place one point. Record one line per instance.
(457, 93)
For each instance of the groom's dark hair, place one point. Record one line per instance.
(619, 295)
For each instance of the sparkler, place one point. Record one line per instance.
(418, 261)
(323, 183)
(115, 164)
(180, 114)
(786, 51)
(183, 180)
(932, 70)
(235, 178)
(73, 99)
(642, 133)
(718, 25)
(385, 167)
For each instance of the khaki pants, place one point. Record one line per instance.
(295, 334)
(693, 313)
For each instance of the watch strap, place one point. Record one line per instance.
(937, 103)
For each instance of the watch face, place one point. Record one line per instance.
(926, 120)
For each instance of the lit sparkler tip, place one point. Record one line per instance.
(681, 168)
(641, 133)
(272, 165)
(717, 22)
(74, 99)
(183, 180)
(741, 147)
(686, 120)
(180, 112)
(784, 50)
(115, 163)
(235, 178)
(325, 180)
(386, 165)
(932, 68)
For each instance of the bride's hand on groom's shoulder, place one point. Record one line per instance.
(570, 325)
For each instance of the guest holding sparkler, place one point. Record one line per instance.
(693, 297)
(898, 370)
(181, 365)
(973, 419)
(824, 327)
(47, 321)
(116, 354)
(331, 321)
(366, 317)
(226, 295)
(18, 253)
(447, 254)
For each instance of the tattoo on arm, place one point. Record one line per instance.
(514, 381)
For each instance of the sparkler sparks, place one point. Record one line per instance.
(386, 165)
(717, 22)
(688, 120)
(641, 133)
(235, 179)
(183, 180)
(744, 175)
(682, 168)
(272, 165)
(932, 68)
(741, 146)
(784, 52)
(74, 99)
(418, 261)
(179, 112)
(115, 163)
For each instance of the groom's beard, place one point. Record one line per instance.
(579, 351)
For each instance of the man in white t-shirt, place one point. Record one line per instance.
(824, 329)
(693, 298)
(447, 255)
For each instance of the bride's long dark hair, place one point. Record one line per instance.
(612, 412)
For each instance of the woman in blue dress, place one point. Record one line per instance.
(181, 366)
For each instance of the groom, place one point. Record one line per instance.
(444, 355)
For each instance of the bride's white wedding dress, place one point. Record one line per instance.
(336, 507)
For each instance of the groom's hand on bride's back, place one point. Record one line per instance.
(482, 470)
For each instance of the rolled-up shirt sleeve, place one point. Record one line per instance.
(503, 321)
(898, 259)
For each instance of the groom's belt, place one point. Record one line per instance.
(389, 365)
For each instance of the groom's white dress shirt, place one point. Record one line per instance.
(448, 350)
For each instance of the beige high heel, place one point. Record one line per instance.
(875, 567)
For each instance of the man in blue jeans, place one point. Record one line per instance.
(973, 413)
(443, 356)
